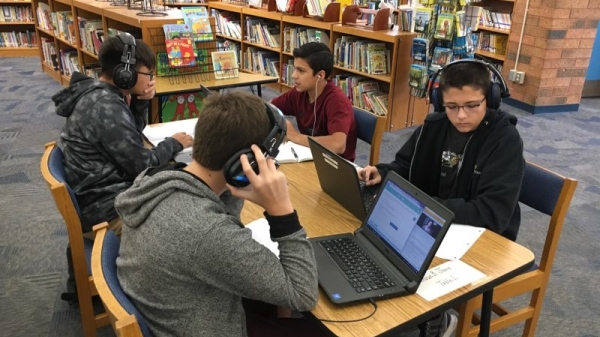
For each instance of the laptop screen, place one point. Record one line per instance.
(405, 225)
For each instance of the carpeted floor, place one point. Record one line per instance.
(33, 238)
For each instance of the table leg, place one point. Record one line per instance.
(486, 313)
(259, 90)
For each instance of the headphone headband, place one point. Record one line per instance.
(494, 95)
(128, 56)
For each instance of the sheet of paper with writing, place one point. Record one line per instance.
(156, 133)
(447, 277)
(458, 240)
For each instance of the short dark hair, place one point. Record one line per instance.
(111, 51)
(474, 74)
(317, 55)
(227, 124)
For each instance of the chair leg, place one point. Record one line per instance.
(537, 300)
(465, 312)
(86, 310)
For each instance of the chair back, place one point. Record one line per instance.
(53, 172)
(127, 321)
(551, 194)
(370, 128)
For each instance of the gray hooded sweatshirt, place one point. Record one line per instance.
(186, 260)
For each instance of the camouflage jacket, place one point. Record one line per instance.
(103, 146)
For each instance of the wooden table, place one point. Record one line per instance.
(497, 257)
(181, 84)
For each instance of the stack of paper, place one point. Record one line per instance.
(156, 133)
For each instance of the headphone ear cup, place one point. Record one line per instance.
(124, 78)
(494, 96)
(436, 100)
(234, 172)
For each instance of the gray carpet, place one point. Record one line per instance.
(33, 238)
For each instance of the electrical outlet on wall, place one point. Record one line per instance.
(516, 76)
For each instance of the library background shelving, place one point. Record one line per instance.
(18, 26)
(398, 42)
(504, 6)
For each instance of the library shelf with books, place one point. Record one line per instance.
(492, 29)
(391, 80)
(17, 29)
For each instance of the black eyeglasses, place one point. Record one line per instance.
(469, 108)
(149, 74)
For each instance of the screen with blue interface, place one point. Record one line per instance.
(405, 225)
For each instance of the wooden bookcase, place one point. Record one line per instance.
(117, 17)
(18, 26)
(398, 42)
(505, 6)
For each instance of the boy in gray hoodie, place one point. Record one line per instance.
(186, 260)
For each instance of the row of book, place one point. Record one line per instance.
(263, 32)
(294, 37)
(61, 23)
(368, 56)
(18, 39)
(491, 42)
(228, 24)
(363, 92)
(403, 18)
(65, 60)
(91, 34)
(477, 16)
(16, 14)
(261, 61)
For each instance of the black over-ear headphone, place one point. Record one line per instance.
(493, 96)
(234, 173)
(125, 76)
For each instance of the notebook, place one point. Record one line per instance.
(394, 246)
(290, 152)
(339, 179)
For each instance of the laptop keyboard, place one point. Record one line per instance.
(361, 272)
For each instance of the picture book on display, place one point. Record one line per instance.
(420, 49)
(225, 64)
(422, 19)
(441, 57)
(444, 27)
(180, 52)
(418, 76)
(197, 19)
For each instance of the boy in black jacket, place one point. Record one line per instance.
(468, 157)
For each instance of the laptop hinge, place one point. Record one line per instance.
(358, 231)
(411, 287)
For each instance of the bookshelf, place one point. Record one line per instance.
(17, 29)
(494, 30)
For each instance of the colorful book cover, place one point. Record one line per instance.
(460, 23)
(441, 57)
(418, 76)
(173, 31)
(445, 26)
(422, 19)
(197, 19)
(180, 52)
(225, 64)
(377, 60)
(420, 49)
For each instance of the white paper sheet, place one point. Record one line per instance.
(156, 133)
(287, 156)
(447, 277)
(458, 240)
(260, 233)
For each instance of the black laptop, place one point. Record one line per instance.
(390, 253)
(339, 179)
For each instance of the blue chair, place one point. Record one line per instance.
(81, 248)
(370, 128)
(550, 194)
(126, 320)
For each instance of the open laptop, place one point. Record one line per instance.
(338, 178)
(390, 253)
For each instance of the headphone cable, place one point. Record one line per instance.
(315, 108)
(354, 320)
